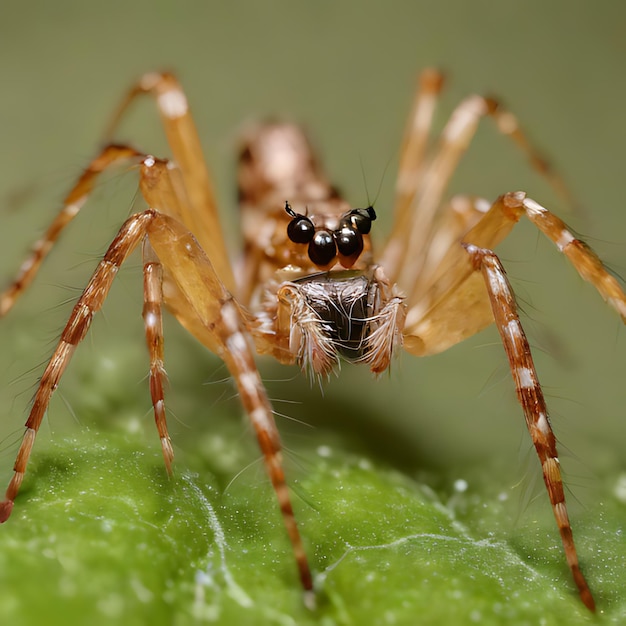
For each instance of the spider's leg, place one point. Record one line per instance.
(153, 323)
(414, 147)
(455, 306)
(90, 301)
(72, 204)
(581, 256)
(531, 398)
(508, 209)
(415, 220)
(458, 216)
(199, 206)
(211, 313)
(208, 305)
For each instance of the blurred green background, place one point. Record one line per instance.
(347, 70)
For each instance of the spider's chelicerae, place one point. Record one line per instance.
(308, 288)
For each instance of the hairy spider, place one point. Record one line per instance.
(308, 288)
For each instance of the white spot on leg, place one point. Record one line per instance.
(237, 344)
(73, 208)
(249, 382)
(533, 207)
(482, 205)
(525, 377)
(230, 317)
(542, 424)
(30, 261)
(498, 284)
(565, 238)
(514, 330)
(262, 420)
(150, 320)
(173, 104)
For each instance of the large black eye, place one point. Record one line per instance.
(300, 229)
(349, 241)
(362, 219)
(322, 249)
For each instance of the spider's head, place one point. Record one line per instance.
(328, 243)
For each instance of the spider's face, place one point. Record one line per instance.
(331, 238)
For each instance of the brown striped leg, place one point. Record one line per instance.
(71, 206)
(531, 398)
(583, 258)
(74, 332)
(153, 323)
(201, 214)
(213, 316)
(208, 311)
(510, 207)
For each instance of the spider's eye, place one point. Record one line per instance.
(349, 241)
(300, 229)
(362, 219)
(322, 249)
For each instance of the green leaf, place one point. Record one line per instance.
(100, 535)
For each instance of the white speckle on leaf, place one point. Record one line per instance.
(460, 485)
(620, 488)
(324, 451)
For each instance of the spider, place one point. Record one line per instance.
(308, 288)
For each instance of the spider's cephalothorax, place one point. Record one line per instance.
(321, 297)
(308, 288)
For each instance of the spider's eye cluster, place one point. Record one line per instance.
(325, 245)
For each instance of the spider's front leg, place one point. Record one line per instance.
(91, 300)
(530, 396)
(212, 314)
(206, 308)
(468, 290)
